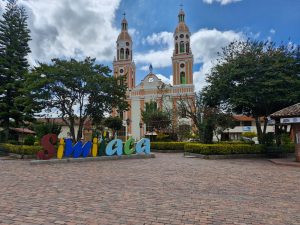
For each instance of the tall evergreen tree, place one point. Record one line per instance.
(14, 48)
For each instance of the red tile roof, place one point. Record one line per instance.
(23, 130)
(243, 118)
(291, 111)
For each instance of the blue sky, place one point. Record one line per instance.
(277, 20)
(68, 28)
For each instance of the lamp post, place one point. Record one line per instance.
(141, 127)
(127, 125)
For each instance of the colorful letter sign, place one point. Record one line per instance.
(80, 149)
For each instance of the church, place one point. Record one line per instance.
(151, 88)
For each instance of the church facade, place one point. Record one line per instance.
(151, 88)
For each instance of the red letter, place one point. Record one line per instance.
(48, 142)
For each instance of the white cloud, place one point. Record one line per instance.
(159, 38)
(222, 2)
(165, 79)
(159, 59)
(67, 28)
(272, 31)
(205, 45)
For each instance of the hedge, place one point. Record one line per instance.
(21, 149)
(223, 149)
(168, 145)
(227, 149)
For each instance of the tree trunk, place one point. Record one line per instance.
(259, 131)
(277, 135)
(80, 129)
(265, 126)
(6, 129)
(72, 130)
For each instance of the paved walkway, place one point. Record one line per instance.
(169, 189)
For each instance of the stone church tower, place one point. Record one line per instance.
(182, 59)
(123, 64)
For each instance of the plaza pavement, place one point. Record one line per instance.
(169, 189)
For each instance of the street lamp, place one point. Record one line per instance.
(127, 123)
(141, 127)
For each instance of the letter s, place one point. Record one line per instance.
(47, 142)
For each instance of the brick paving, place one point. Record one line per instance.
(169, 189)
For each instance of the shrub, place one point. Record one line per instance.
(249, 134)
(288, 148)
(21, 149)
(168, 145)
(29, 140)
(223, 149)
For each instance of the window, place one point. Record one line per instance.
(122, 53)
(182, 65)
(176, 48)
(187, 47)
(127, 43)
(182, 78)
(127, 53)
(182, 47)
(181, 36)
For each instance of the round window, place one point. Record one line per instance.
(187, 36)
(181, 36)
(182, 65)
(127, 43)
(121, 70)
(176, 37)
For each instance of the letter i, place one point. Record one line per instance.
(95, 147)
(60, 150)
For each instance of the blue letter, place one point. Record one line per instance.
(113, 147)
(143, 146)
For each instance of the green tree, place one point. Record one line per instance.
(255, 78)
(15, 104)
(209, 121)
(154, 118)
(50, 127)
(114, 123)
(78, 90)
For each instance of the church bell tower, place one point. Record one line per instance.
(182, 59)
(123, 63)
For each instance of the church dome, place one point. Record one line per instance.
(182, 28)
(124, 36)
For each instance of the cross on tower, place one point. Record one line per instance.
(181, 6)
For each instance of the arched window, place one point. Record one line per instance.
(127, 53)
(182, 47)
(187, 47)
(182, 78)
(122, 53)
(176, 48)
(118, 55)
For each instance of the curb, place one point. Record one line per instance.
(89, 159)
(280, 163)
(214, 157)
